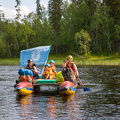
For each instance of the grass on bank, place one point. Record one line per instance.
(9, 61)
(93, 60)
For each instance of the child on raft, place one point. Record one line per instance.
(53, 68)
(50, 71)
(47, 72)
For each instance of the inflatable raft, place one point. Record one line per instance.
(67, 88)
(26, 88)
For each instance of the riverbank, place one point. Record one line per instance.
(93, 60)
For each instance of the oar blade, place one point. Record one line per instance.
(86, 89)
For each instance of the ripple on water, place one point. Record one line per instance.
(101, 103)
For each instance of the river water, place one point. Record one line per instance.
(101, 103)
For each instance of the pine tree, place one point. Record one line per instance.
(2, 15)
(18, 9)
(114, 9)
(93, 4)
(55, 17)
(38, 9)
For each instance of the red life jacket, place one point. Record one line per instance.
(68, 66)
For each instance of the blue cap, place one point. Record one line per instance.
(47, 65)
(52, 61)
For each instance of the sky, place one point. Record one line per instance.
(27, 6)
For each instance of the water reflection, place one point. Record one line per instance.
(25, 105)
(68, 98)
(51, 107)
(48, 107)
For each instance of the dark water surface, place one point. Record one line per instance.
(101, 103)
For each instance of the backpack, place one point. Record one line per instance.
(59, 77)
(25, 72)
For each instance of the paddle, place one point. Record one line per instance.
(85, 88)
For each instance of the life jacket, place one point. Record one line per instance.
(68, 66)
(47, 73)
(53, 68)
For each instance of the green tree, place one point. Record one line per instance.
(40, 9)
(83, 40)
(74, 18)
(117, 38)
(27, 31)
(114, 6)
(55, 18)
(93, 5)
(42, 31)
(101, 30)
(17, 7)
(10, 38)
(3, 45)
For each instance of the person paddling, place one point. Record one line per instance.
(70, 64)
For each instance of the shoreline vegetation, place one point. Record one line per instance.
(92, 60)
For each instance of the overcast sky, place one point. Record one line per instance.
(27, 6)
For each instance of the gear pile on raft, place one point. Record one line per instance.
(31, 78)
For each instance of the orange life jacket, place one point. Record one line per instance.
(49, 73)
(53, 71)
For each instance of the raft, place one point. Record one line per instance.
(26, 88)
(67, 88)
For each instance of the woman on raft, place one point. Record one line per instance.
(70, 64)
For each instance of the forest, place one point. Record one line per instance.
(82, 27)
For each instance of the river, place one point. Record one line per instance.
(101, 103)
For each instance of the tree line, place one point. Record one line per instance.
(83, 27)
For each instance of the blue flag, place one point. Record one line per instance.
(39, 55)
